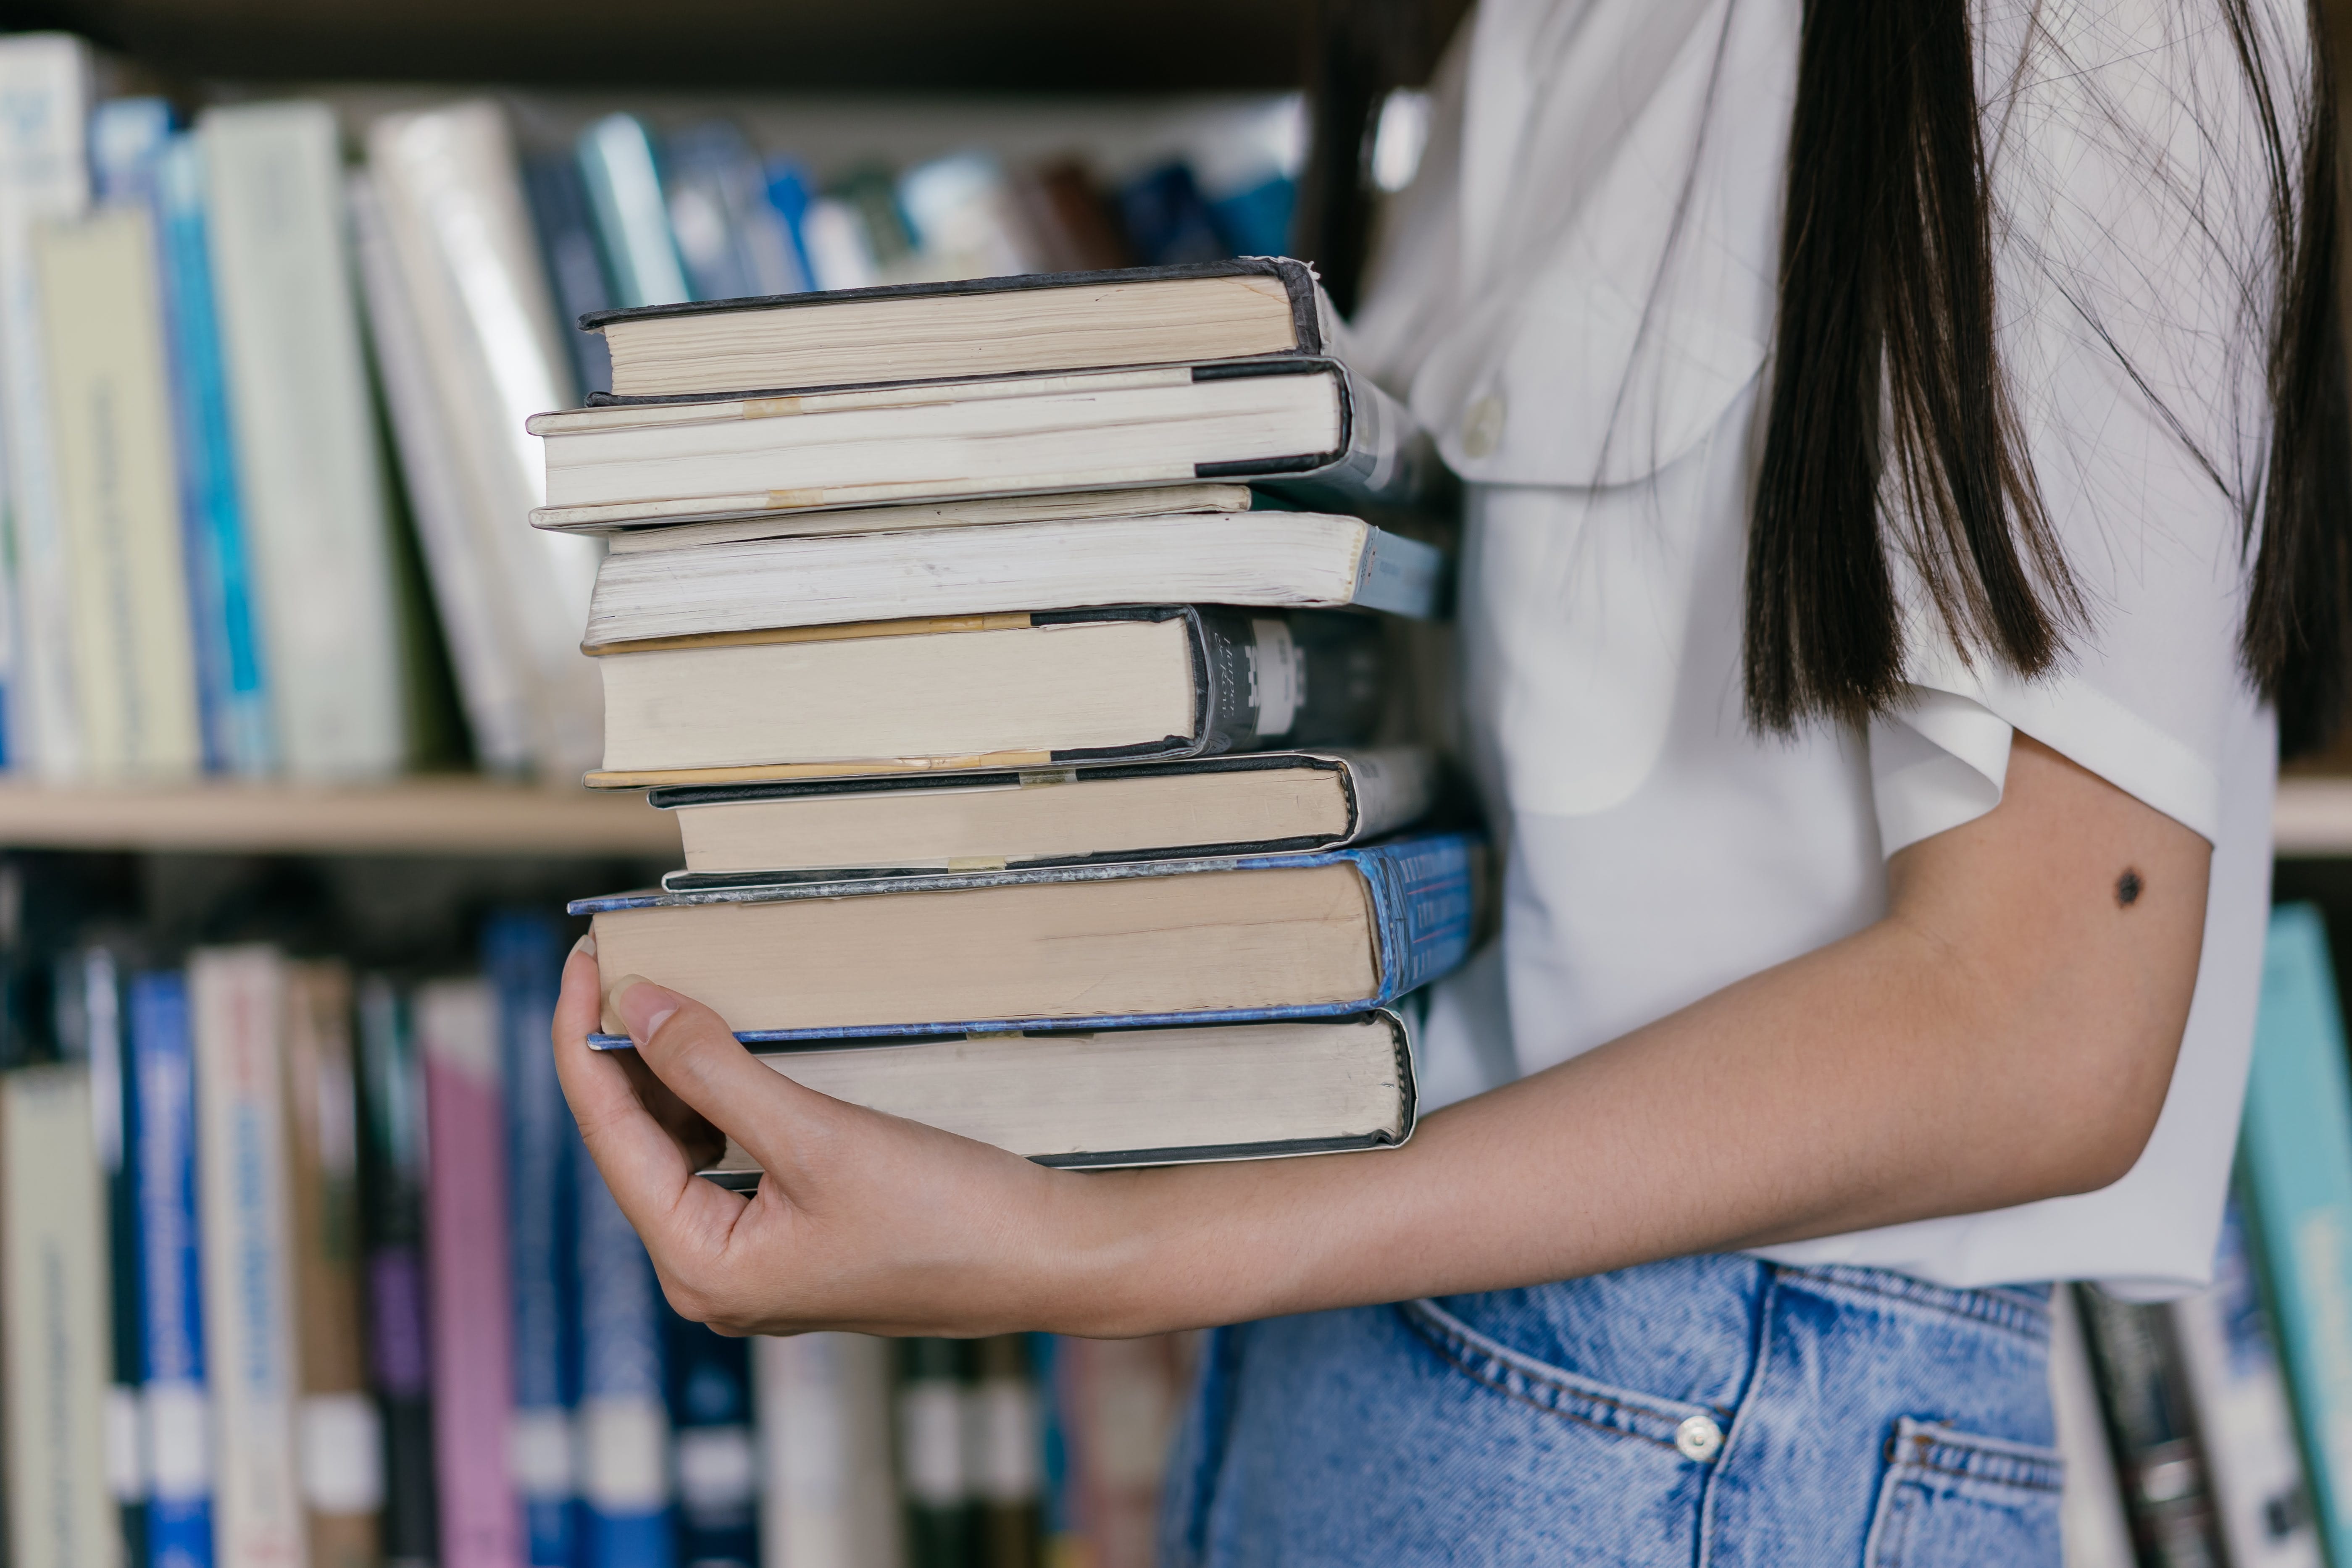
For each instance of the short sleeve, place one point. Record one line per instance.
(2136, 262)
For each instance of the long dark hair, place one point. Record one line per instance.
(1889, 426)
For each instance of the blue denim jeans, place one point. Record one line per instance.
(1716, 1411)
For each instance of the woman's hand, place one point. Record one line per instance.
(862, 1221)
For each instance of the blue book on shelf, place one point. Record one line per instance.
(522, 954)
(717, 1460)
(576, 261)
(632, 214)
(791, 189)
(2297, 1159)
(734, 243)
(162, 1156)
(1420, 889)
(624, 1420)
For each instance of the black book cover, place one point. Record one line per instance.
(2151, 1424)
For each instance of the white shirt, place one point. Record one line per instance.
(1577, 294)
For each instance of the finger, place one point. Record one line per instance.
(650, 1177)
(691, 1049)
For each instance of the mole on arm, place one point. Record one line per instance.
(2128, 888)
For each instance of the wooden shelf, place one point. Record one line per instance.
(416, 817)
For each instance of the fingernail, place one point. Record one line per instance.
(586, 946)
(643, 1006)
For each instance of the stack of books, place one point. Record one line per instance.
(1012, 654)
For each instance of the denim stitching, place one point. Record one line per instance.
(1531, 1383)
(1759, 1362)
(2016, 1314)
(1950, 1453)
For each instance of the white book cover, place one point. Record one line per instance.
(493, 680)
(487, 336)
(134, 653)
(53, 1318)
(828, 1496)
(44, 174)
(2245, 1424)
(237, 1001)
(2091, 1514)
(305, 438)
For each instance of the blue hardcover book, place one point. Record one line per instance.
(624, 194)
(717, 1461)
(734, 243)
(576, 262)
(791, 190)
(623, 1421)
(1168, 221)
(232, 665)
(2297, 1159)
(1228, 939)
(175, 1409)
(522, 954)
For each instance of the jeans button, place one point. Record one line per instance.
(1698, 1438)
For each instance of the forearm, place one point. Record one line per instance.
(1867, 1083)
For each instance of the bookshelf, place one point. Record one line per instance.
(449, 815)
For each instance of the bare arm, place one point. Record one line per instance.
(2006, 1033)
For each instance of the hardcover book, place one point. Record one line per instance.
(393, 1169)
(979, 327)
(1307, 428)
(1022, 690)
(826, 1499)
(1273, 558)
(1230, 940)
(1130, 1097)
(1264, 802)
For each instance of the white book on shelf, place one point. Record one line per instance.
(487, 338)
(2091, 1513)
(306, 437)
(493, 684)
(45, 81)
(237, 1003)
(134, 657)
(54, 1322)
(829, 1494)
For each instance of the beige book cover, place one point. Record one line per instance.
(54, 1322)
(338, 1435)
(134, 659)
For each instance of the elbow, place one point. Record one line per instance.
(2102, 1106)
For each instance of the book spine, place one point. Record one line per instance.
(239, 736)
(625, 192)
(624, 1422)
(2091, 1514)
(1298, 677)
(470, 1310)
(934, 1470)
(522, 954)
(313, 489)
(342, 1435)
(2296, 1153)
(827, 1498)
(575, 264)
(2231, 1364)
(2144, 1393)
(237, 997)
(392, 1188)
(1005, 1452)
(90, 1028)
(1401, 576)
(1388, 788)
(709, 1379)
(1120, 1402)
(45, 79)
(1388, 459)
(175, 1409)
(54, 1336)
(1063, 1543)
(1424, 905)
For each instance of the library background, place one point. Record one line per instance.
(299, 1259)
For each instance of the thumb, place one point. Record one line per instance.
(691, 1049)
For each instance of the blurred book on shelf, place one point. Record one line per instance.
(217, 581)
(316, 1239)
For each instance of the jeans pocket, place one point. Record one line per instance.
(1954, 1499)
(1695, 1431)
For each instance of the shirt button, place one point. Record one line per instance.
(1482, 426)
(1699, 1439)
